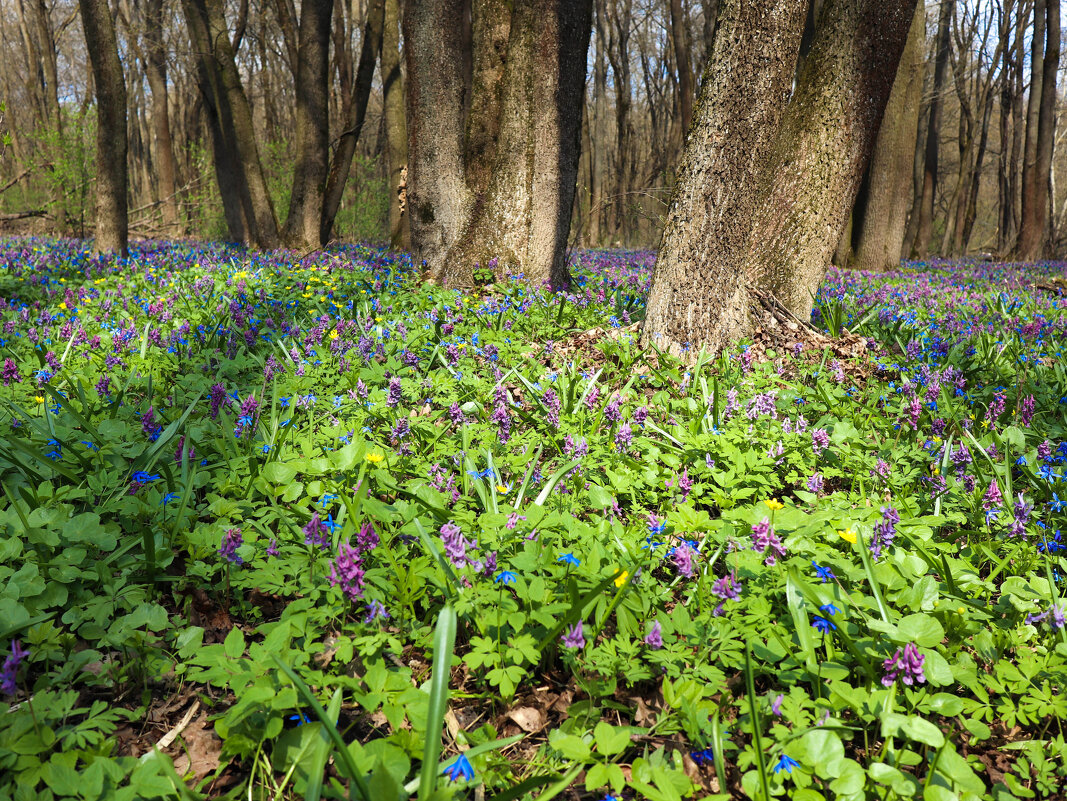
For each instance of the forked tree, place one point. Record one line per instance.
(768, 177)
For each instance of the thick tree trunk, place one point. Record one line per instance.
(102, 46)
(395, 123)
(1040, 129)
(889, 186)
(824, 145)
(598, 135)
(699, 294)
(353, 122)
(303, 224)
(765, 188)
(925, 209)
(438, 198)
(156, 71)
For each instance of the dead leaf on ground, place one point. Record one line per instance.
(200, 754)
(530, 719)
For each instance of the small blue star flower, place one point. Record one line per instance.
(570, 559)
(170, 496)
(786, 763)
(1056, 504)
(829, 609)
(460, 769)
(505, 577)
(822, 624)
(825, 573)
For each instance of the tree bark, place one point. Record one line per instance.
(925, 207)
(1040, 129)
(353, 122)
(303, 224)
(765, 187)
(102, 46)
(889, 186)
(680, 37)
(699, 296)
(395, 123)
(155, 64)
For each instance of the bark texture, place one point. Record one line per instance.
(110, 84)
(303, 224)
(395, 122)
(155, 64)
(888, 190)
(766, 187)
(699, 295)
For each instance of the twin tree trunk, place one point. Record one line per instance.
(767, 181)
(495, 194)
(102, 44)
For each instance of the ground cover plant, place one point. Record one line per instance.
(297, 529)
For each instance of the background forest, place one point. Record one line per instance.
(645, 63)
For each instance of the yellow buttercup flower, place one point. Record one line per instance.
(773, 504)
(374, 458)
(39, 398)
(333, 335)
(621, 578)
(848, 535)
(501, 488)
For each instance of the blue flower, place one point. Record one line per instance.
(506, 577)
(170, 496)
(786, 763)
(1056, 504)
(824, 573)
(822, 624)
(90, 445)
(460, 769)
(829, 609)
(570, 559)
(142, 477)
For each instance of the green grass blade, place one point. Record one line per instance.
(444, 641)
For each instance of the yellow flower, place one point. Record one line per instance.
(985, 424)
(773, 504)
(63, 306)
(39, 398)
(502, 489)
(621, 578)
(333, 335)
(374, 458)
(848, 535)
(307, 294)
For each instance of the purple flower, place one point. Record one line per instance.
(776, 705)
(574, 638)
(654, 638)
(395, 392)
(10, 373)
(347, 572)
(906, 665)
(685, 483)
(10, 670)
(216, 397)
(375, 610)
(885, 531)
(1026, 411)
(683, 560)
(1022, 511)
(231, 541)
(623, 437)
(315, 532)
(992, 498)
(611, 411)
(272, 549)
(456, 544)
(513, 520)
(766, 541)
(1056, 611)
(820, 440)
(814, 483)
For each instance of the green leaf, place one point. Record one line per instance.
(923, 630)
(609, 739)
(235, 643)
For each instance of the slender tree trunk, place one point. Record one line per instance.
(395, 123)
(303, 224)
(680, 37)
(925, 230)
(699, 295)
(102, 46)
(598, 134)
(1040, 130)
(889, 185)
(353, 123)
(156, 71)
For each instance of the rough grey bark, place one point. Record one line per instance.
(824, 145)
(597, 125)
(925, 206)
(395, 122)
(699, 296)
(889, 185)
(155, 64)
(680, 39)
(353, 122)
(1040, 125)
(765, 187)
(110, 84)
(303, 224)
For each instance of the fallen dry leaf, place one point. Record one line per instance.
(530, 719)
(200, 755)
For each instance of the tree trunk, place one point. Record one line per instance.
(924, 233)
(699, 296)
(303, 224)
(155, 65)
(680, 37)
(102, 46)
(598, 136)
(353, 123)
(889, 185)
(395, 123)
(1040, 129)
(765, 188)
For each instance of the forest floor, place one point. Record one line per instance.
(296, 530)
